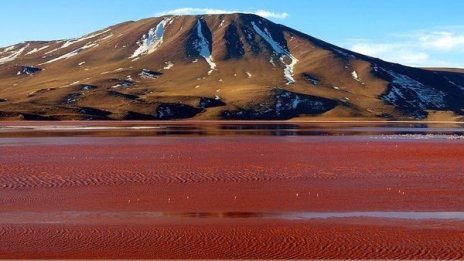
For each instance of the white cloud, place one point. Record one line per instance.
(392, 52)
(420, 48)
(268, 14)
(197, 11)
(442, 41)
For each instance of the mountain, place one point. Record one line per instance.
(234, 66)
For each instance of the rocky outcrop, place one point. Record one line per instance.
(28, 70)
(206, 102)
(170, 111)
(286, 105)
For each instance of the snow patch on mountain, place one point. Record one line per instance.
(202, 46)
(72, 53)
(355, 76)
(35, 50)
(151, 41)
(12, 54)
(105, 38)
(168, 65)
(426, 95)
(86, 37)
(280, 51)
(409, 94)
(271, 60)
(7, 49)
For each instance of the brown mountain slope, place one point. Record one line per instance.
(235, 66)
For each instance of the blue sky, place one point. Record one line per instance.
(413, 32)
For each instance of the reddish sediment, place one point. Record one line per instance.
(250, 174)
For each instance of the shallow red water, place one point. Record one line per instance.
(250, 174)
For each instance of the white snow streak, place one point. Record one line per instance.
(72, 53)
(149, 44)
(355, 76)
(11, 48)
(13, 55)
(168, 65)
(35, 50)
(203, 47)
(86, 37)
(425, 94)
(279, 50)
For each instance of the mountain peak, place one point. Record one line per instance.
(222, 66)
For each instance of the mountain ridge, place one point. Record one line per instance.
(229, 66)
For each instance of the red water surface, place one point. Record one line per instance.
(249, 174)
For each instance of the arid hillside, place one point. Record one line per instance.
(234, 66)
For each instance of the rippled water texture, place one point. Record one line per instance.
(231, 190)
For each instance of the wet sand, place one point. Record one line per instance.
(231, 197)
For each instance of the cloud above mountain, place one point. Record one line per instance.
(419, 48)
(196, 11)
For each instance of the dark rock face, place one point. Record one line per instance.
(122, 83)
(273, 30)
(198, 34)
(36, 117)
(72, 98)
(234, 45)
(94, 114)
(3, 100)
(206, 102)
(7, 114)
(250, 38)
(149, 74)
(87, 87)
(414, 91)
(131, 115)
(310, 78)
(453, 78)
(122, 95)
(289, 104)
(169, 111)
(29, 70)
(286, 105)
